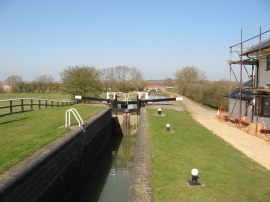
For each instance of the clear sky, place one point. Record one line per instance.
(159, 37)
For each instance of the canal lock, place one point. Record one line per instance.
(115, 169)
(128, 123)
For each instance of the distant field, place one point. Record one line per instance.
(31, 101)
(24, 133)
(49, 96)
(228, 174)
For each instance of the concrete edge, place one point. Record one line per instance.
(141, 188)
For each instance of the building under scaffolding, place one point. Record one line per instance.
(249, 100)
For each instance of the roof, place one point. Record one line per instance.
(246, 94)
(245, 62)
(263, 46)
(154, 87)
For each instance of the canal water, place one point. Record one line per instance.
(113, 177)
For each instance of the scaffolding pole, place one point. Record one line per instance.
(240, 81)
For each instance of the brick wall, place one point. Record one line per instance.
(55, 172)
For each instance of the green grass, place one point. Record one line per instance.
(228, 174)
(48, 96)
(24, 133)
(4, 102)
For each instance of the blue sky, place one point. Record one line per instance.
(40, 37)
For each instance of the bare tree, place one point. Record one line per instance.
(121, 73)
(136, 81)
(14, 81)
(44, 83)
(122, 78)
(168, 82)
(187, 76)
(108, 78)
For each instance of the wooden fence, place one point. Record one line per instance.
(12, 106)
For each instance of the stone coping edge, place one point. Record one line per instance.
(141, 188)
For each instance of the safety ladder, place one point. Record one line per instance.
(76, 115)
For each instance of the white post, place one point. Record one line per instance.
(139, 95)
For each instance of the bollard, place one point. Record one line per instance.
(195, 177)
(159, 111)
(168, 127)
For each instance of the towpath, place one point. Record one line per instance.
(252, 146)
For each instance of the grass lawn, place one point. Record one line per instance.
(228, 174)
(23, 133)
(48, 96)
(4, 102)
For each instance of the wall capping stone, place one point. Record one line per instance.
(141, 188)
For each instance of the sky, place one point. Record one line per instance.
(42, 37)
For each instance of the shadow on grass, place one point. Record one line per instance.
(6, 122)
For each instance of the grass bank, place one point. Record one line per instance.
(228, 174)
(24, 133)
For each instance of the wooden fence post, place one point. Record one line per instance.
(32, 104)
(22, 107)
(10, 106)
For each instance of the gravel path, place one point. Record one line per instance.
(252, 146)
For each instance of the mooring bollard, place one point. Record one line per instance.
(168, 128)
(159, 111)
(194, 178)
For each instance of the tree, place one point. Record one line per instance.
(1, 87)
(14, 81)
(168, 82)
(187, 76)
(108, 78)
(122, 78)
(44, 83)
(122, 73)
(81, 80)
(136, 82)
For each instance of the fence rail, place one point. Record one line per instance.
(12, 106)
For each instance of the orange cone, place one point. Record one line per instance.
(218, 114)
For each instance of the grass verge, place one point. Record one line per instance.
(228, 174)
(24, 133)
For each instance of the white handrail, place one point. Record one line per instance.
(76, 115)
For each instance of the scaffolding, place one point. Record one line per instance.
(243, 72)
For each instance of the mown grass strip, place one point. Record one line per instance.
(24, 133)
(227, 173)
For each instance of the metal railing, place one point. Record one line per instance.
(124, 104)
(76, 115)
(12, 106)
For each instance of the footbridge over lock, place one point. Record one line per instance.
(128, 102)
(127, 105)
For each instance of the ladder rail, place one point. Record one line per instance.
(76, 115)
